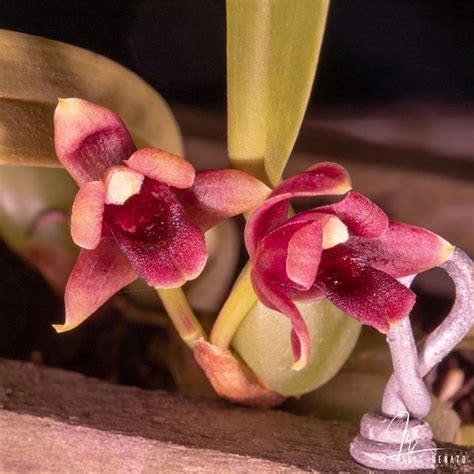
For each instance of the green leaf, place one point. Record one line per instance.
(36, 71)
(272, 52)
(263, 342)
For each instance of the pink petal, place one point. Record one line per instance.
(97, 275)
(334, 231)
(403, 250)
(320, 179)
(266, 218)
(87, 213)
(359, 214)
(219, 194)
(368, 295)
(89, 138)
(304, 254)
(275, 297)
(272, 260)
(163, 166)
(187, 249)
(164, 247)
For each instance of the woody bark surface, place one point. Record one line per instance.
(57, 421)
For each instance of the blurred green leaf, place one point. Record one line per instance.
(26, 193)
(465, 435)
(468, 341)
(371, 353)
(263, 341)
(444, 421)
(349, 395)
(346, 397)
(34, 219)
(36, 71)
(272, 52)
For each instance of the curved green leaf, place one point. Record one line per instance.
(272, 52)
(263, 341)
(36, 71)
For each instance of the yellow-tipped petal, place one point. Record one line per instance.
(343, 188)
(60, 328)
(300, 364)
(447, 250)
(87, 213)
(163, 166)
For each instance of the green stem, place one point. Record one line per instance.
(181, 315)
(238, 304)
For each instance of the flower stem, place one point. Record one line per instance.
(181, 315)
(238, 304)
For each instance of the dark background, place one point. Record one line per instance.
(374, 51)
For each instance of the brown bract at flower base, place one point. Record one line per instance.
(232, 379)
(348, 252)
(138, 213)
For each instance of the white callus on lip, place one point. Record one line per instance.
(121, 183)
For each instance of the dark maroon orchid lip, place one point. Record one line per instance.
(151, 228)
(348, 251)
(138, 213)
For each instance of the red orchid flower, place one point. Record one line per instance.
(348, 252)
(138, 212)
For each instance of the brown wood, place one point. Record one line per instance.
(57, 421)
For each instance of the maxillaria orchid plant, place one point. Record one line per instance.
(143, 213)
